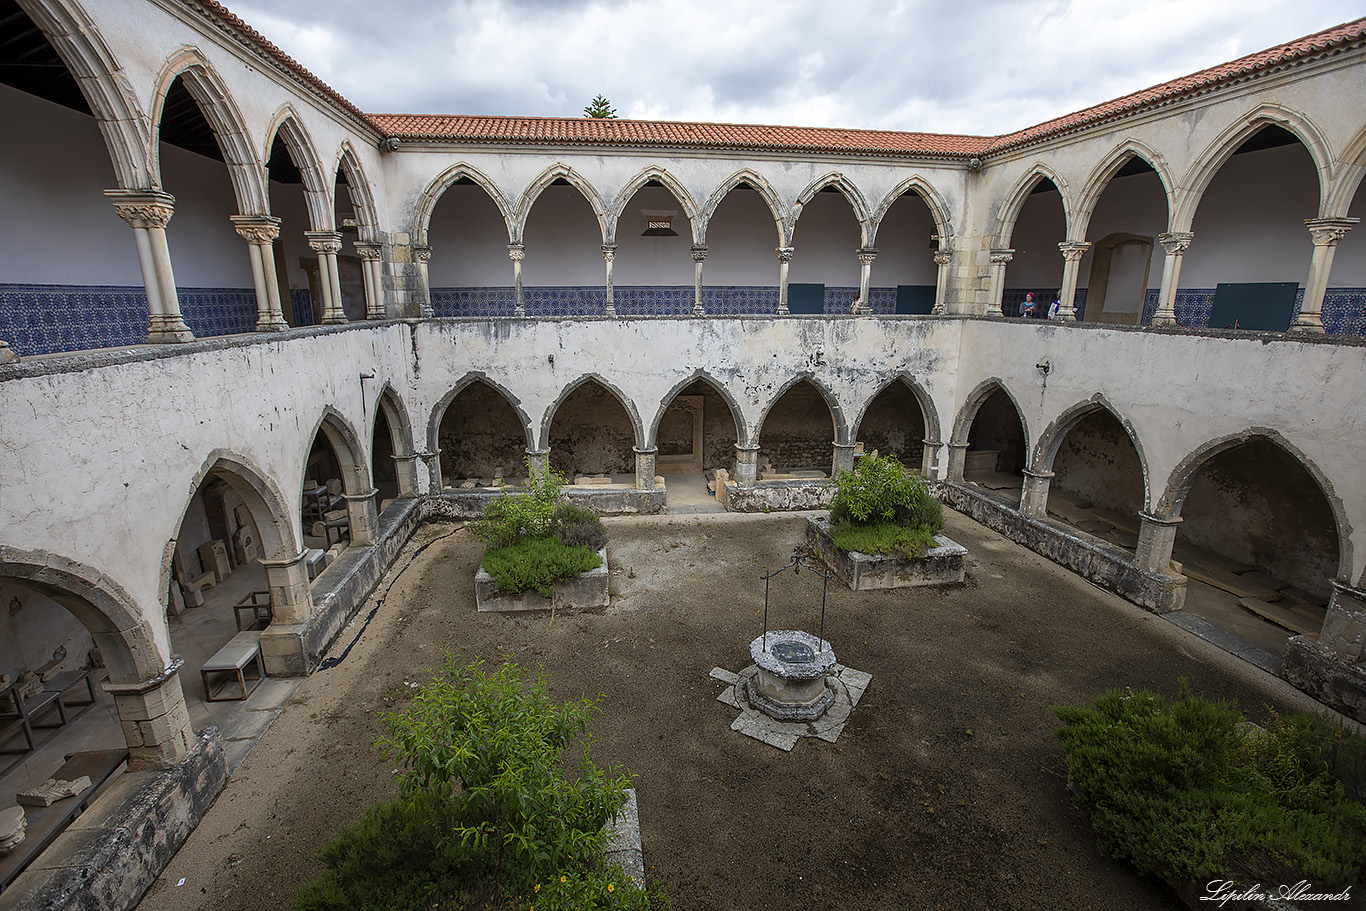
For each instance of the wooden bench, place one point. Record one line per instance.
(241, 651)
(44, 824)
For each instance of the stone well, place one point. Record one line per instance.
(790, 684)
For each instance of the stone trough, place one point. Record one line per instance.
(941, 565)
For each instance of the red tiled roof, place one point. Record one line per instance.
(575, 130)
(668, 134)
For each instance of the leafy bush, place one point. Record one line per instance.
(514, 517)
(575, 526)
(878, 492)
(594, 891)
(884, 538)
(535, 565)
(1186, 793)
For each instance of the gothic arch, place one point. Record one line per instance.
(679, 192)
(741, 431)
(831, 401)
(115, 621)
(927, 409)
(557, 171)
(851, 193)
(1044, 451)
(1010, 211)
(980, 393)
(1104, 172)
(1184, 474)
(104, 85)
(1351, 168)
(625, 400)
(939, 211)
(317, 195)
(439, 410)
(427, 202)
(211, 94)
(347, 447)
(396, 413)
(1218, 152)
(761, 186)
(358, 188)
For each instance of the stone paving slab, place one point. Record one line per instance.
(848, 684)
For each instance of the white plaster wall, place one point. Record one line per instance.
(826, 238)
(287, 204)
(741, 239)
(563, 241)
(1349, 261)
(1038, 231)
(58, 227)
(32, 633)
(1130, 205)
(905, 255)
(206, 251)
(653, 260)
(469, 241)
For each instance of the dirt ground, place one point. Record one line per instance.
(945, 790)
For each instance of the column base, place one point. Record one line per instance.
(1308, 323)
(275, 325)
(1066, 317)
(163, 330)
(336, 320)
(1162, 320)
(7, 355)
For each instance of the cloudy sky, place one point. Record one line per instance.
(946, 66)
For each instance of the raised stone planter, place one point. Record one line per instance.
(583, 592)
(942, 565)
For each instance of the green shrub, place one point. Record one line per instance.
(596, 890)
(575, 526)
(878, 492)
(883, 538)
(514, 517)
(536, 564)
(1182, 791)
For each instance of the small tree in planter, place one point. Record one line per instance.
(537, 537)
(879, 509)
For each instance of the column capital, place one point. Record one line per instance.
(422, 253)
(145, 686)
(699, 252)
(143, 208)
(609, 252)
(368, 250)
(324, 241)
(256, 229)
(1328, 231)
(1039, 475)
(1175, 243)
(784, 253)
(943, 258)
(866, 255)
(1072, 250)
(1164, 521)
(639, 451)
(516, 252)
(1001, 257)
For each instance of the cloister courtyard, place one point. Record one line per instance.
(947, 788)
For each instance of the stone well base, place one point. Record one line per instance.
(942, 565)
(584, 592)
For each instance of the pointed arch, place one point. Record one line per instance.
(543, 441)
(761, 186)
(317, 194)
(1015, 201)
(1105, 171)
(851, 193)
(346, 445)
(1183, 476)
(1351, 168)
(939, 210)
(922, 397)
(973, 403)
(116, 622)
(1045, 450)
(215, 103)
(475, 376)
(557, 171)
(422, 220)
(105, 86)
(1218, 152)
(634, 185)
(390, 403)
(358, 188)
(831, 401)
(741, 430)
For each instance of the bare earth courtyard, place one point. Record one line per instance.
(945, 790)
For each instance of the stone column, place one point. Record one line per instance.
(1176, 245)
(1156, 537)
(517, 253)
(282, 643)
(958, 453)
(422, 255)
(363, 517)
(843, 459)
(1344, 625)
(154, 718)
(929, 459)
(538, 462)
(1326, 233)
(327, 244)
(866, 255)
(7, 355)
(371, 272)
(645, 468)
(999, 258)
(941, 282)
(699, 253)
(746, 465)
(260, 232)
(1034, 496)
(432, 460)
(609, 256)
(147, 212)
(405, 468)
(1072, 252)
(784, 260)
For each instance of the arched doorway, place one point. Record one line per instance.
(592, 435)
(995, 451)
(481, 437)
(797, 435)
(1098, 482)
